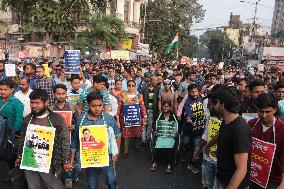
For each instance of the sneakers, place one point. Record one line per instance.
(193, 169)
(169, 169)
(68, 183)
(153, 167)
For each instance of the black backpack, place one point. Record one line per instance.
(7, 137)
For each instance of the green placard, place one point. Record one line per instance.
(166, 128)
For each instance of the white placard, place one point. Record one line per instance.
(10, 70)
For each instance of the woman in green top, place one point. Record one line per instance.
(11, 107)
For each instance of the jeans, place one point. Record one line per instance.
(93, 173)
(208, 173)
(74, 174)
(146, 131)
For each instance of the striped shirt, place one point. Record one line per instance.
(84, 94)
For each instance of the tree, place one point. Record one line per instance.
(166, 17)
(53, 17)
(219, 45)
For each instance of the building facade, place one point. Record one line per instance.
(277, 28)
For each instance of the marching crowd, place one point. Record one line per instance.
(216, 113)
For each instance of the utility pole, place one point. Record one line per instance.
(254, 18)
(144, 21)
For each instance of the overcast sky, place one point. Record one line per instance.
(217, 13)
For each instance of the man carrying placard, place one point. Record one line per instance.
(33, 154)
(267, 168)
(98, 138)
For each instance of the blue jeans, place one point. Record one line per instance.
(93, 173)
(208, 173)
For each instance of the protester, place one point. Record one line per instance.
(30, 72)
(127, 98)
(269, 128)
(23, 94)
(233, 141)
(96, 116)
(167, 94)
(117, 89)
(42, 116)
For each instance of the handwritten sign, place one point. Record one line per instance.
(46, 70)
(38, 147)
(67, 115)
(198, 117)
(213, 129)
(249, 116)
(10, 70)
(262, 155)
(94, 146)
(166, 128)
(132, 115)
(72, 61)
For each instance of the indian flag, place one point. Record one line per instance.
(173, 45)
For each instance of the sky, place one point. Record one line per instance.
(217, 13)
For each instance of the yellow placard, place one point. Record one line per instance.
(46, 70)
(127, 44)
(213, 129)
(94, 146)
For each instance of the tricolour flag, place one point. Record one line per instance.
(173, 45)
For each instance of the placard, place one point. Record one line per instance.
(10, 70)
(94, 146)
(73, 99)
(132, 115)
(72, 61)
(46, 70)
(249, 116)
(38, 147)
(166, 128)
(262, 155)
(67, 115)
(198, 117)
(118, 54)
(213, 129)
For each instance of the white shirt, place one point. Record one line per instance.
(113, 105)
(25, 99)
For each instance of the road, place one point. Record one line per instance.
(134, 173)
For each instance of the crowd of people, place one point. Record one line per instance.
(246, 103)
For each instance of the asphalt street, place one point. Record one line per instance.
(134, 173)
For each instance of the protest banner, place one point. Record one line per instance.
(249, 116)
(262, 155)
(72, 61)
(38, 147)
(10, 70)
(94, 146)
(67, 115)
(132, 115)
(120, 54)
(198, 117)
(213, 129)
(73, 99)
(166, 128)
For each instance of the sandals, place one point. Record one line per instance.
(153, 167)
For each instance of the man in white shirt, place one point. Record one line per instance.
(24, 93)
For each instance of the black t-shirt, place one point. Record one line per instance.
(233, 138)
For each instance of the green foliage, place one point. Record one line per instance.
(107, 29)
(218, 43)
(171, 16)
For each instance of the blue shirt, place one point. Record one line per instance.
(109, 121)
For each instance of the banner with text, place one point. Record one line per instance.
(166, 128)
(72, 61)
(262, 155)
(198, 117)
(38, 147)
(94, 146)
(132, 115)
(213, 129)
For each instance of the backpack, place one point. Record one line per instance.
(7, 136)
